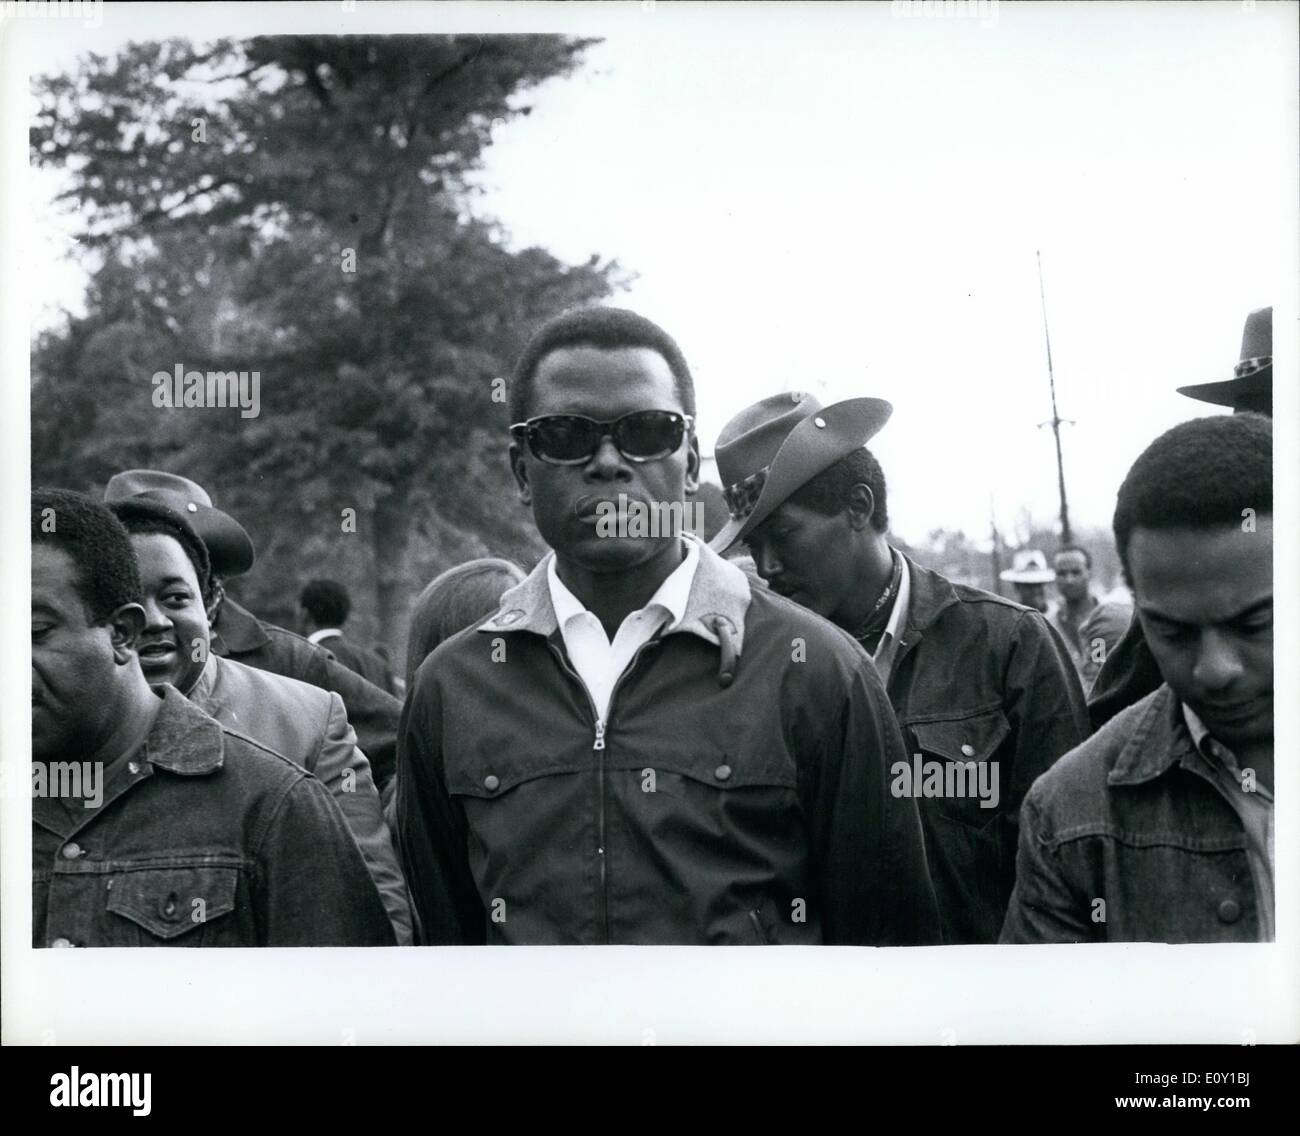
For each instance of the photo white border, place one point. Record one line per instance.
(640, 995)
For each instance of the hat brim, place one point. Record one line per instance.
(1039, 576)
(848, 426)
(1231, 392)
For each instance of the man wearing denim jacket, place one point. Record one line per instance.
(152, 825)
(1159, 828)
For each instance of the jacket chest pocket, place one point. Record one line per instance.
(176, 907)
(953, 765)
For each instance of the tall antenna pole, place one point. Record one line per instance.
(1056, 418)
(997, 549)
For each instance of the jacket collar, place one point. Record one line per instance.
(237, 630)
(931, 594)
(184, 740)
(720, 591)
(1158, 741)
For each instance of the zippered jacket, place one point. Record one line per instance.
(738, 790)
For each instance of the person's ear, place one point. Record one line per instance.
(692, 463)
(125, 626)
(519, 467)
(861, 507)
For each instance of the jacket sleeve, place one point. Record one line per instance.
(374, 713)
(1044, 705)
(343, 769)
(430, 828)
(868, 851)
(1051, 902)
(312, 888)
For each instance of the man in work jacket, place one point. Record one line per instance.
(637, 747)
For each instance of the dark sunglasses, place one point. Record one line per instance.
(573, 439)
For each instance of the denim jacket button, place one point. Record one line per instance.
(1230, 911)
(491, 782)
(722, 772)
(71, 851)
(61, 943)
(968, 750)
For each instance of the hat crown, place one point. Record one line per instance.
(135, 482)
(751, 439)
(1257, 337)
(1029, 560)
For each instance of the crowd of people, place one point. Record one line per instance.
(791, 733)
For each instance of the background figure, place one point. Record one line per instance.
(452, 601)
(1030, 575)
(1091, 627)
(325, 608)
(458, 598)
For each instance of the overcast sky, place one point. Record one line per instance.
(832, 198)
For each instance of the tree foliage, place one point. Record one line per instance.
(303, 207)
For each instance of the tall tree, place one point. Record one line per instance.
(304, 207)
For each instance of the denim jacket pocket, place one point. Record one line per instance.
(176, 906)
(958, 768)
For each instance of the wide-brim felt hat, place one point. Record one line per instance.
(768, 450)
(230, 548)
(1251, 387)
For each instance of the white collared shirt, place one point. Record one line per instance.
(324, 633)
(599, 662)
(887, 648)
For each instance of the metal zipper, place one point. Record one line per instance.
(598, 746)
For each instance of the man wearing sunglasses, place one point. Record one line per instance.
(637, 748)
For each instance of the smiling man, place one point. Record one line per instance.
(307, 725)
(637, 747)
(1160, 826)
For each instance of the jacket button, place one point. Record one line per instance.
(491, 782)
(1230, 911)
(61, 943)
(132, 767)
(968, 750)
(168, 906)
(722, 772)
(71, 851)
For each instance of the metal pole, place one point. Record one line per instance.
(1056, 418)
(997, 550)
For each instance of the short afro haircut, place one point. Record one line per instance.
(1200, 474)
(609, 329)
(828, 492)
(107, 574)
(327, 602)
(143, 517)
(1087, 556)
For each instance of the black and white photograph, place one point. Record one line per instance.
(621, 479)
